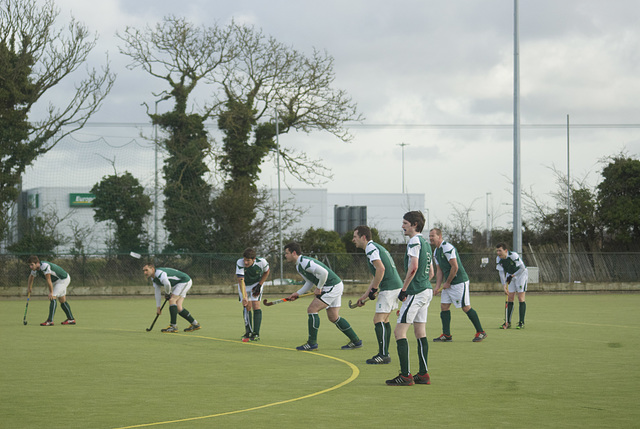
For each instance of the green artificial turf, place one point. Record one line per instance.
(575, 365)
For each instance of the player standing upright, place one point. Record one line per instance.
(175, 285)
(387, 281)
(416, 294)
(514, 277)
(328, 294)
(252, 272)
(451, 275)
(57, 281)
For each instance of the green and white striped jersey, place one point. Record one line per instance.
(442, 255)
(54, 270)
(254, 273)
(306, 268)
(419, 248)
(511, 265)
(391, 279)
(168, 278)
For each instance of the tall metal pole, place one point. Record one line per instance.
(517, 205)
(568, 202)
(280, 250)
(155, 186)
(402, 145)
(488, 222)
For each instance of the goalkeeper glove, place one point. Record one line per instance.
(372, 293)
(256, 290)
(402, 295)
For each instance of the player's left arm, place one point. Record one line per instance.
(375, 282)
(452, 273)
(49, 285)
(412, 269)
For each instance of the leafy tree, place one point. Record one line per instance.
(619, 199)
(35, 56)
(38, 235)
(347, 239)
(121, 200)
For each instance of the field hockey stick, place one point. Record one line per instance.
(281, 300)
(356, 304)
(26, 307)
(157, 314)
(506, 305)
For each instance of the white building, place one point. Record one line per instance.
(72, 208)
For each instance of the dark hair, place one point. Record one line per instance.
(149, 264)
(363, 231)
(249, 253)
(415, 218)
(33, 260)
(502, 246)
(294, 247)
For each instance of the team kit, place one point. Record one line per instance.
(426, 260)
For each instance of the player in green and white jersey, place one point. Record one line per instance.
(251, 272)
(452, 277)
(174, 285)
(387, 281)
(416, 294)
(328, 294)
(514, 277)
(57, 281)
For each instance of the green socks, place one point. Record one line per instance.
(186, 315)
(522, 310)
(423, 353)
(314, 325)
(509, 311)
(383, 334)
(473, 316)
(67, 309)
(403, 355)
(257, 321)
(173, 311)
(346, 329)
(446, 322)
(246, 315)
(53, 304)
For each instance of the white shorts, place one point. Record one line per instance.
(387, 301)
(181, 289)
(415, 308)
(457, 294)
(60, 287)
(332, 295)
(250, 296)
(519, 283)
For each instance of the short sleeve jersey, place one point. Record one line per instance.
(419, 248)
(304, 267)
(174, 276)
(511, 264)
(442, 255)
(54, 270)
(254, 273)
(391, 279)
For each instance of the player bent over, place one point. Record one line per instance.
(57, 281)
(416, 294)
(328, 293)
(514, 276)
(385, 279)
(175, 285)
(252, 272)
(452, 277)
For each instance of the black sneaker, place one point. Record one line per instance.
(520, 325)
(479, 337)
(379, 359)
(422, 379)
(169, 329)
(352, 345)
(401, 380)
(254, 337)
(192, 327)
(443, 339)
(307, 347)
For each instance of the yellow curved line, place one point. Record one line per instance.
(354, 374)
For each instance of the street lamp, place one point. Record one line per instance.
(489, 226)
(155, 190)
(402, 145)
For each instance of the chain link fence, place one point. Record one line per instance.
(219, 269)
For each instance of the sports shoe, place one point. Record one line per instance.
(443, 339)
(378, 359)
(69, 322)
(254, 337)
(422, 379)
(352, 345)
(192, 327)
(520, 325)
(307, 347)
(401, 380)
(479, 336)
(47, 323)
(169, 329)
(505, 325)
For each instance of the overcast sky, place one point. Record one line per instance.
(422, 72)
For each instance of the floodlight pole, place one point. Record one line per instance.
(280, 249)
(517, 200)
(568, 203)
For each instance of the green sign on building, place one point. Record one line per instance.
(81, 200)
